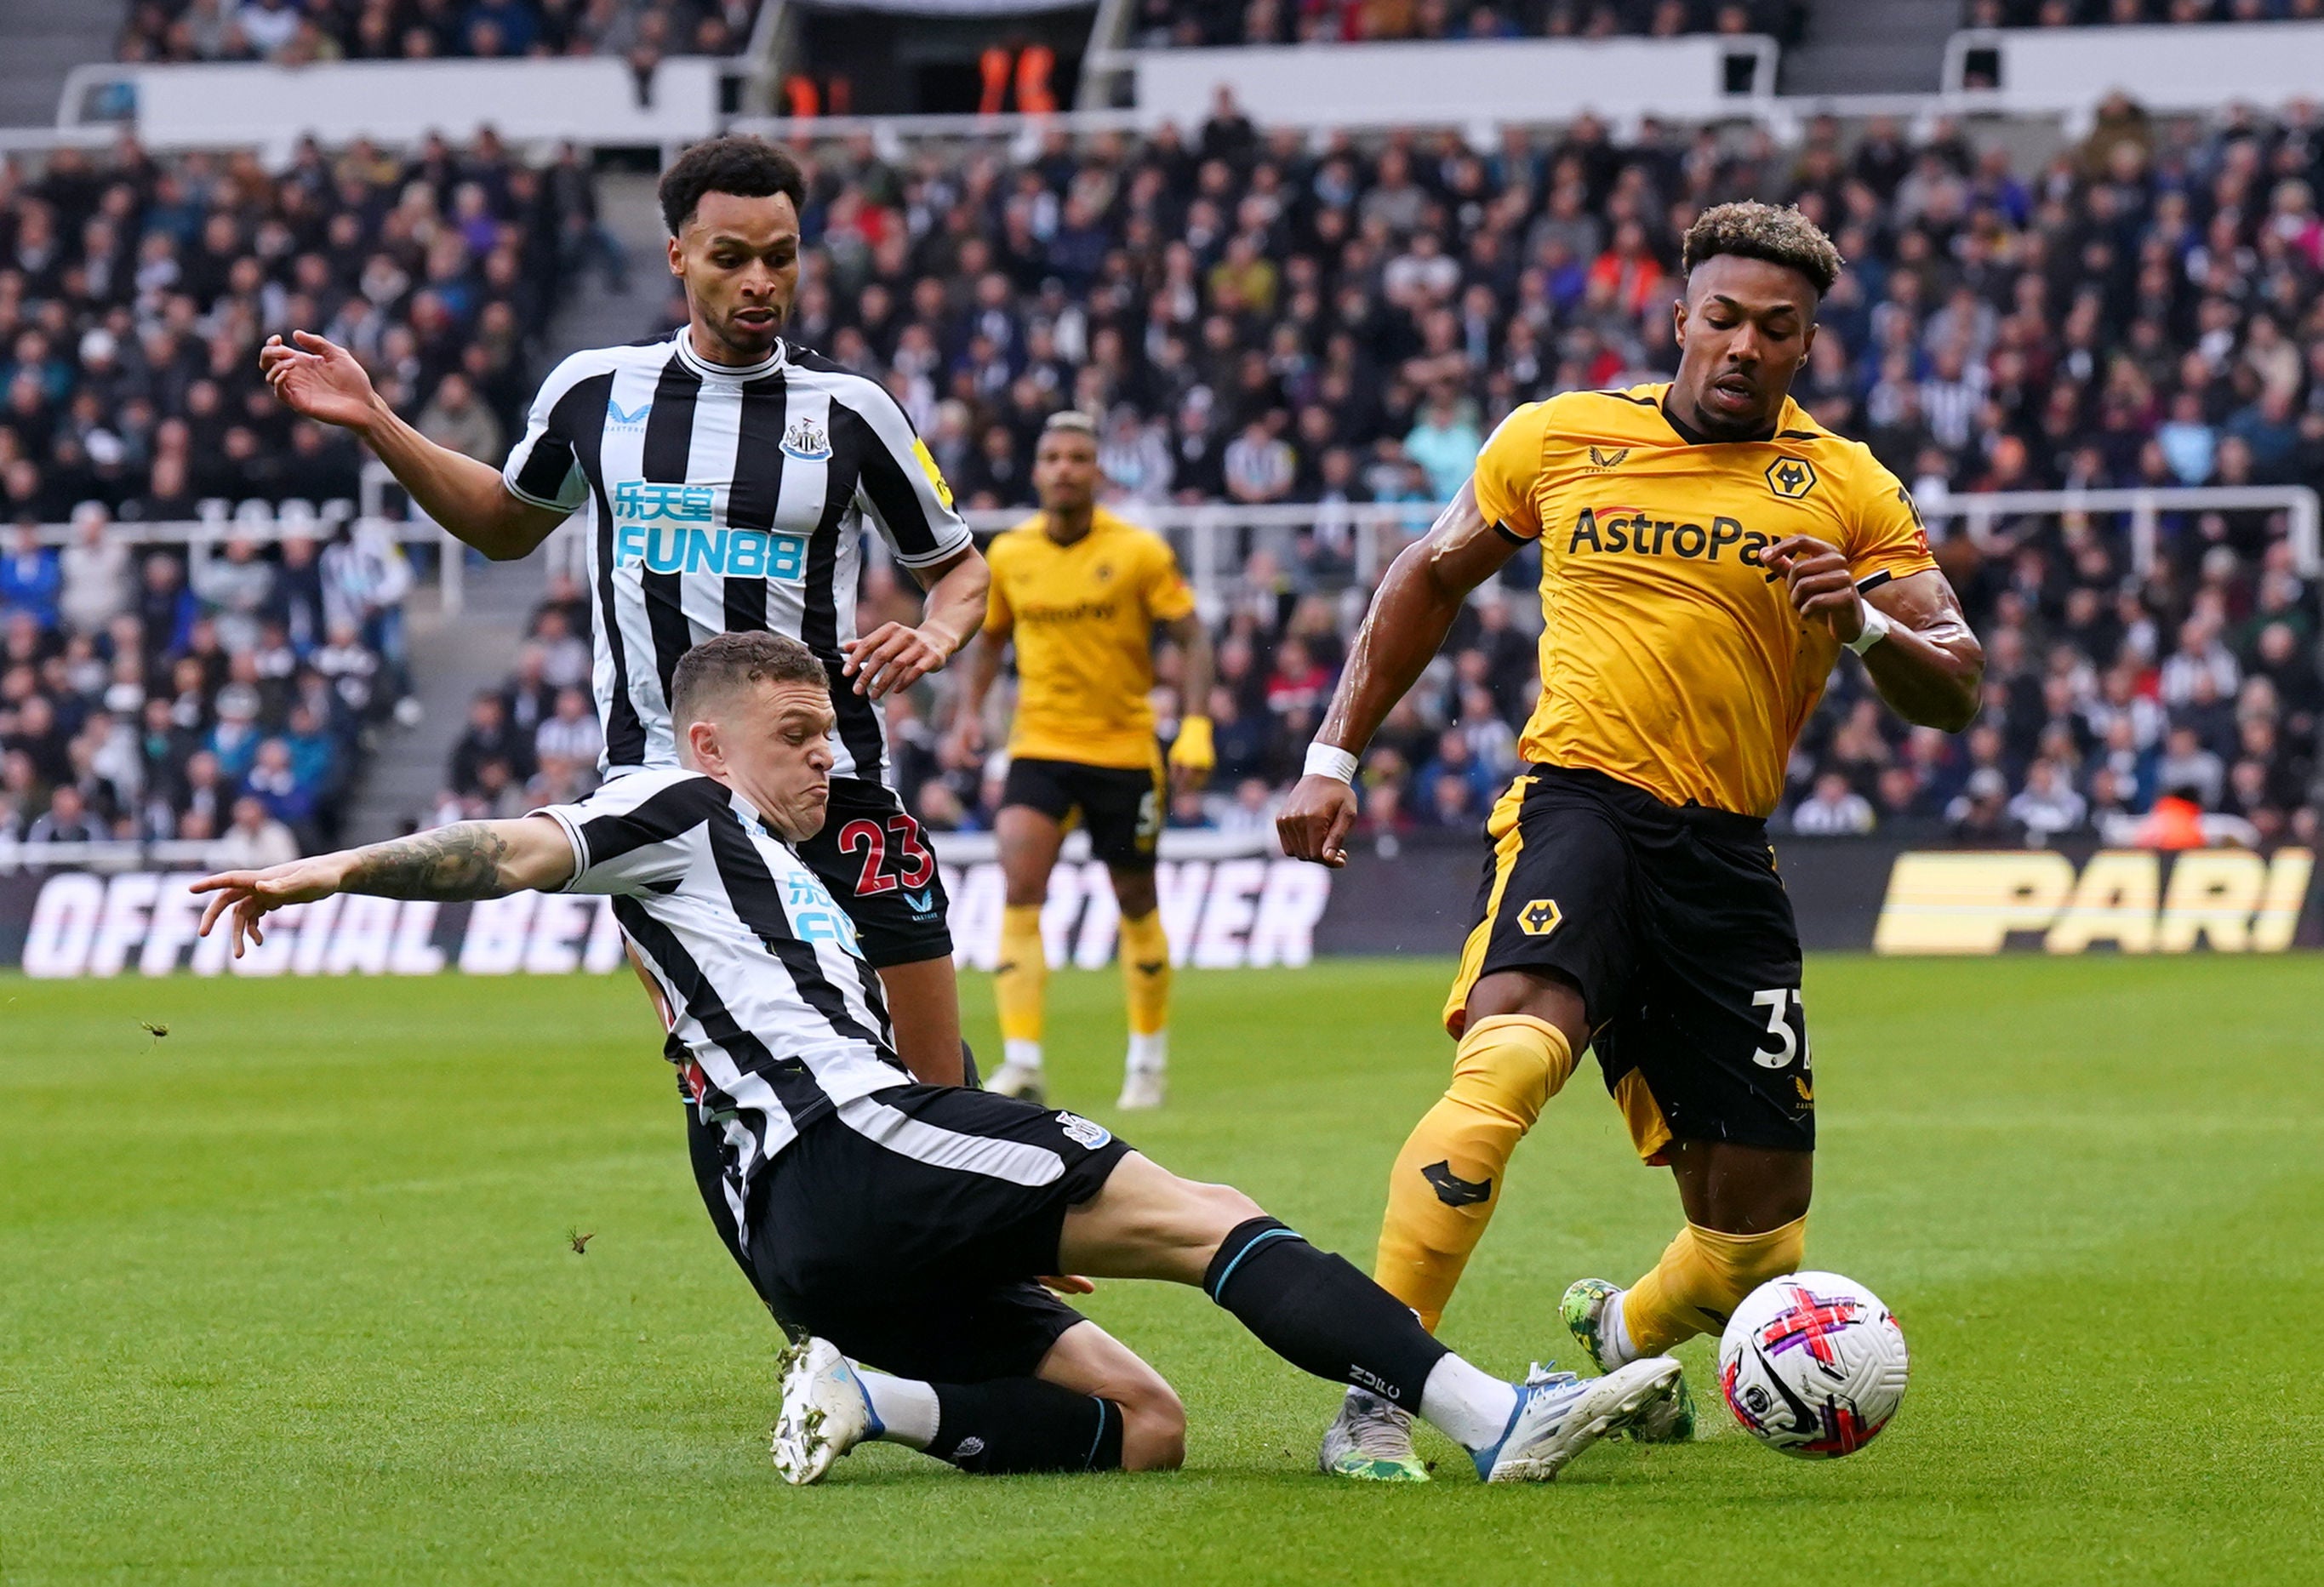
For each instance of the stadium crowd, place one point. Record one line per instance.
(1261, 321)
(224, 686)
(2082, 14)
(300, 33)
(1162, 23)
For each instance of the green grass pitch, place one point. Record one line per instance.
(288, 1294)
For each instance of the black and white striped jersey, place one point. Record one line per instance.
(766, 992)
(719, 499)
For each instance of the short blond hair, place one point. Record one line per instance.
(1751, 230)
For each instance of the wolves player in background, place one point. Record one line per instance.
(725, 476)
(1081, 592)
(1707, 549)
(904, 1222)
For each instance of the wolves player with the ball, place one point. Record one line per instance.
(1707, 548)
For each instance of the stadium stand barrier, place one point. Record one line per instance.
(596, 99)
(1504, 80)
(2180, 68)
(1229, 902)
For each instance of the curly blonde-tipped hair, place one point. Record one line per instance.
(1752, 230)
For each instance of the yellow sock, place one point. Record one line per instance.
(1146, 973)
(1701, 1278)
(1447, 1179)
(1023, 975)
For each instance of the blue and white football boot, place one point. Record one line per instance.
(826, 1412)
(1558, 1415)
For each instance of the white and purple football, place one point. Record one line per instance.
(1812, 1365)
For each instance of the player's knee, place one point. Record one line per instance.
(1510, 1065)
(1208, 1213)
(1545, 996)
(1133, 893)
(1153, 1428)
(1220, 1207)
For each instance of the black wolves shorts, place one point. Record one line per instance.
(908, 1229)
(1678, 934)
(1121, 805)
(876, 860)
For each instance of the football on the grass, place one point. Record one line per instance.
(1812, 1365)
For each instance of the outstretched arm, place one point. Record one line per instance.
(322, 381)
(1927, 664)
(469, 860)
(1409, 621)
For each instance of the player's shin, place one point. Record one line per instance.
(1317, 1312)
(1146, 975)
(1702, 1277)
(1017, 1424)
(1021, 983)
(1447, 1179)
(1145, 990)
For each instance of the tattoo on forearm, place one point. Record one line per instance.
(451, 863)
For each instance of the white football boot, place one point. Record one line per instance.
(826, 1412)
(1558, 1415)
(1019, 1080)
(1141, 1088)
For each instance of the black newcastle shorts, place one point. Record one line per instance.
(1673, 925)
(908, 1229)
(876, 860)
(1121, 805)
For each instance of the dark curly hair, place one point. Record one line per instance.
(1752, 230)
(737, 164)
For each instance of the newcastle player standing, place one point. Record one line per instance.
(725, 477)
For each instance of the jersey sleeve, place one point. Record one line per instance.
(1168, 596)
(1508, 467)
(900, 488)
(1000, 615)
(636, 831)
(1886, 540)
(543, 468)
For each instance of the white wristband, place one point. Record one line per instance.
(1876, 628)
(1331, 760)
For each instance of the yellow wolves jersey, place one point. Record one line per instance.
(1084, 617)
(1673, 659)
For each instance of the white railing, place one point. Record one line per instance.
(109, 854)
(2144, 511)
(1215, 539)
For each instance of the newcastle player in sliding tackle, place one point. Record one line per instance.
(900, 1224)
(725, 477)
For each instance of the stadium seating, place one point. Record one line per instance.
(1266, 318)
(293, 34)
(215, 626)
(2064, 13)
(1163, 24)
(1265, 323)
